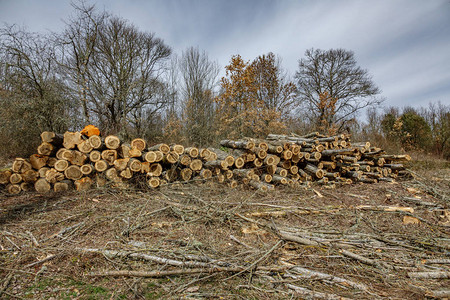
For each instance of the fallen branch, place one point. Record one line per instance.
(304, 292)
(157, 274)
(430, 275)
(306, 273)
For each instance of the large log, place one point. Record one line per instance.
(112, 142)
(96, 142)
(20, 165)
(192, 151)
(52, 138)
(71, 139)
(101, 165)
(85, 147)
(42, 186)
(179, 149)
(109, 156)
(121, 163)
(61, 165)
(135, 165)
(38, 161)
(15, 178)
(73, 172)
(4, 176)
(139, 144)
(164, 148)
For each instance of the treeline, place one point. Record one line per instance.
(103, 70)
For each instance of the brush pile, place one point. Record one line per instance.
(82, 159)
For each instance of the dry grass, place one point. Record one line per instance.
(234, 229)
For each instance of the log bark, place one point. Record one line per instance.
(112, 142)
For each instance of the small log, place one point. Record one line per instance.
(121, 163)
(179, 149)
(185, 159)
(83, 184)
(30, 176)
(38, 161)
(233, 184)
(239, 162)
(313, 170)
(95, 156)
(244, 173)
(27, 186)
(206, 173)
(192, 151)
(73, 172)
(164, 148)
(139, 144)
(279, 179)
(281, 171)
(52, 138)
(240, 144)
(101, 165)
(285, 164)
(347, 151)
(149, 156)
(135, 165)
(286, 154)
(63, 186)
(270, 160)
(394, 166)
(159, 156)
(20, 165)
(155, 170)
(85, 147)
(274, 149)
(13, 189)
(15, 178)
(228, 174)
(127, 173)
(71, 139)
(154, 182)
(96, 142)
(61, 165)
(205, 154)
(261, 186)
(216, 164)
(186, 174)
(134, 152)
(86, 169)
(42, 186)
(124, 151)
(266, 178)
(258, 162)
(260, 153)
(112, 142)
(271, 169)
(109, 156)
(42, 171)
(170, 158)
(4, 176)
(293, 169)
(196, 165)
(222, 155)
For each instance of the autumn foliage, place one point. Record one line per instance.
(253, 98)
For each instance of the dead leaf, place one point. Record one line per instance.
(410, 220)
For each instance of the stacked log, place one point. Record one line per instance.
(84, 159)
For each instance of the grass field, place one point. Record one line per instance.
(204, 240)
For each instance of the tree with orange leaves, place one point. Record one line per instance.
(254, 96)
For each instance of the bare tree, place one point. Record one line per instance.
(333, 88)
(199, 76)
(77, 47)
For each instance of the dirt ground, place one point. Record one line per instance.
(205, 240)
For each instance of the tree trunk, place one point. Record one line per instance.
(73, 172)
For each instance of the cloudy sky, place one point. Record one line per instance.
(404, 44)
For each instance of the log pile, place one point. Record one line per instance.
(82, 159)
